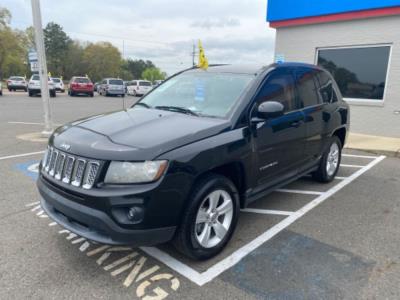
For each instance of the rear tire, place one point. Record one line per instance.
(213, 207)
(330, 161)
(30, 94)
(52, 94)
(91, 94)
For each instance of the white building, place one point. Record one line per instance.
(358, 41)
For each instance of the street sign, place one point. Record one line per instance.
(32, 55)
(34, 66)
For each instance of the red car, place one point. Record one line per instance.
(80, 85)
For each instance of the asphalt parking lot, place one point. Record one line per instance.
(306, 241)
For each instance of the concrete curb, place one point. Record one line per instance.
(388, 153)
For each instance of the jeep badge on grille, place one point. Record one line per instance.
(65, 146)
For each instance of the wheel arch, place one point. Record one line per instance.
(234, 171)
(341, 133)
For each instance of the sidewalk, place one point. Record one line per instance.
(375, 144)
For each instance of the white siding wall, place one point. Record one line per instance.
(300, 44)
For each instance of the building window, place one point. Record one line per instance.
(360, 72)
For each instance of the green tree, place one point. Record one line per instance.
(102, 60)
(136, 67)
(30, 37)
(74, 65)
(57, 43)
(5, 17)
(153, 74)
(12, 47)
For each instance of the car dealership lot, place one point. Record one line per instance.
(306, 241)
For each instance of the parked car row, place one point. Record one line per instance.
(79, 85)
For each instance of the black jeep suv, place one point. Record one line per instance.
(180, 163)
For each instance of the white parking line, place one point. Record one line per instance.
(21, 155)
(30, 123)
(340, 177)
(360, 156)
(299, 192)
(351, 166)
(267, 211)
(229, 261)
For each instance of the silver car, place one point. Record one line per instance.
(112, 87)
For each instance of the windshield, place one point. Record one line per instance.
(17, 78)
(204, 93)
(35, 77)
(116, 82)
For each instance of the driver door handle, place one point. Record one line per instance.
(296, 123)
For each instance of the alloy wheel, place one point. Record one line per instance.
(332, 161)
(214, 218)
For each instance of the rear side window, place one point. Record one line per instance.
(280, 87)
(35, 77)
(82, 80)
(326, 90)
(144, 83)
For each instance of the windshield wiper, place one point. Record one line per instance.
(142, 104)
(177, 109)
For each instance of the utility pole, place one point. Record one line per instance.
(44, 87)
(193, 54)
(123, 49)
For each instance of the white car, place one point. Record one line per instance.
(15, 83)
(59, 84)
(139, 87)
(34, 86)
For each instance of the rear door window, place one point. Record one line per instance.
(326, 91)
(144, 83)
(307, 87)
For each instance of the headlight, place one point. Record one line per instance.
(132, 172)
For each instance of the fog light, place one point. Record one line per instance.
(135, 214)
(128, 215)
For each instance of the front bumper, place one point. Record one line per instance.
(95, 224)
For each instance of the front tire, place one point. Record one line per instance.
(210, 218)
(330, 162)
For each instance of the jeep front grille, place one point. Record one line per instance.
(70, 169)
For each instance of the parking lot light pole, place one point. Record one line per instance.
(44, 87)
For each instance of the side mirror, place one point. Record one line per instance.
(269, 110)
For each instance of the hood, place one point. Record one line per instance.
(135, 134)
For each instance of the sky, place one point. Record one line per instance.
(162, 31)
